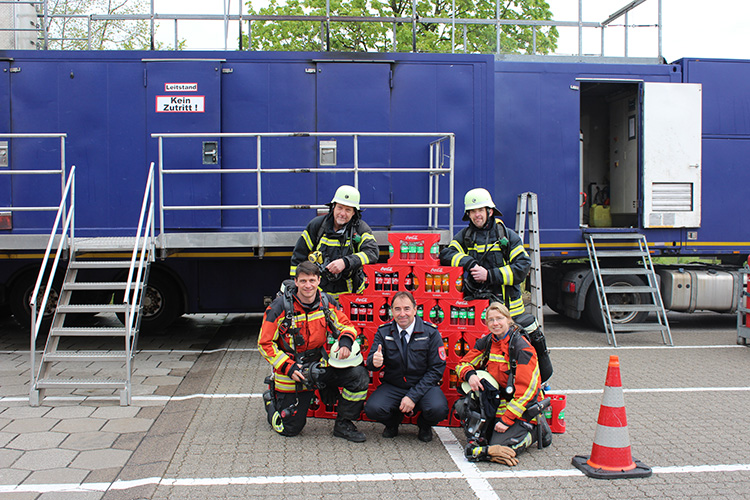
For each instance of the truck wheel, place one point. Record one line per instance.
(593, 312)
(162, 303)
(20, 295)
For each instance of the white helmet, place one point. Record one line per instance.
(354, 359)
(478, 198)
(346, 195)
(483, 375)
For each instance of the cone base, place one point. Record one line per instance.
(640, 470)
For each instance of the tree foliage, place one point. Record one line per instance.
(69, 25)
(378, 36)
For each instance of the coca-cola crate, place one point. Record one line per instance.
(466, 316)
(470, 338)
(414, 248)
(450, 420)
(365, 337)
(385, 279)
(438, 282)
(450, 339)
(362, 310)
(450, 379)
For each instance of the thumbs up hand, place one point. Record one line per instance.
(377, 358)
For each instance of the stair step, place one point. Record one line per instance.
(623, 272)
(620, 253)
(92, 308)
(85, 356)
(98, 285)
(634, 308)
(639, 327)
(100, 264)
(75, 383)
(88, 331)
(614, 236)
(631, 289)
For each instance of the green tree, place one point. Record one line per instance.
(69, 25)
(378, 36)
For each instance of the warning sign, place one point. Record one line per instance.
(180, 104)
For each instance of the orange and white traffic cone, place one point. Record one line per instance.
(610, 454)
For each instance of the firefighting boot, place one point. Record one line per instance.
(346, 429)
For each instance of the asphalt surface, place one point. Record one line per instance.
(197, 428)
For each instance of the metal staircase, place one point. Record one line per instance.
(614, 255)
(95, 283)
(528, 206)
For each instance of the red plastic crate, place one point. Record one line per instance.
(414, 248)
(462, 315)
(450, 339)
(380, 279)
(450, 286)
(362, 310)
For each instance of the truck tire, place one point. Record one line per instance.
(20, 295)
(162, 302)
(593, 312)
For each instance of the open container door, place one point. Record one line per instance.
(671, 155)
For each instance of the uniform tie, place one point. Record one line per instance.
(403, 341)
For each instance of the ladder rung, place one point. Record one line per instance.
(92, 308)
(634, 307)
(99, 285)
(629, 289)
(623, 272)
(85, 356)
(620, 253)
(639, 327)
(88, 331)
(104, 383)
(99, 264)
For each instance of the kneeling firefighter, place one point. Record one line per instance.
(502, 407)
(292, 339)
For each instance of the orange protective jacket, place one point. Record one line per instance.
(527, 380)
(311, 322)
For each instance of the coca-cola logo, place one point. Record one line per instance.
(411, 237)
(386, 269)
(437, 270)
(361, 300)
(462, 303)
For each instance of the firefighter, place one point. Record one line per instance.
(511, 399)
(292, 339)
(410, 352)
(493, 257)
(340, 242)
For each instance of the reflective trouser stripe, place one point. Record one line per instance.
(354, 396)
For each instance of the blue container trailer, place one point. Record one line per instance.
(613, 135)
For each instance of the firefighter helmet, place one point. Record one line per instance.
(483, 375)
(354, 359)
(478, 198)
(346, 195)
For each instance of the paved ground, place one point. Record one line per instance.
(197, 428)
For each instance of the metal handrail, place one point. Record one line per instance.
(144, 241)
(68, 225)
(435, 168)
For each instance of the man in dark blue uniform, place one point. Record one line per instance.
(412, 356)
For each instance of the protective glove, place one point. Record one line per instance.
(502, 455)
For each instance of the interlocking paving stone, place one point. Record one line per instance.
(70, 412)
(45, 459)
(30, 425)
(111, 412)
(73, 425)
(101, 459)
(66, 475)
(18, 412)
(7, 457)
(123, 425)
(37, 440)
(89, 441)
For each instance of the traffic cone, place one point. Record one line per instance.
(610, 454)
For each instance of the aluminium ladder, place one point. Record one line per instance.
(625, 254)
(104, 276)
(528, 206)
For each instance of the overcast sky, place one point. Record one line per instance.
(691, 28)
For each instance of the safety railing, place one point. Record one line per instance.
(143, 252)
(435, 168)
(66, 218)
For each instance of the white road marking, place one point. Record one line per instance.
(469, 471)
(348, 478)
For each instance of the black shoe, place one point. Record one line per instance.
(425, 434)
(347, 430)
(390, 432)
